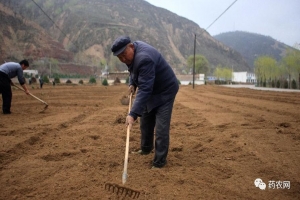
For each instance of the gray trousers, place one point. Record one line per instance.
(157, 121)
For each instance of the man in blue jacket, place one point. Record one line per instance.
(157, 87)
(7, 71)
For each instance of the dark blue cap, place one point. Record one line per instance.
(120, 44)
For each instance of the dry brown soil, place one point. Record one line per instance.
(222, 139)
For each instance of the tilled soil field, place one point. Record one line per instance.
(222, 140)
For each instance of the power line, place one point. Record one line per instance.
(201, 33)
(221, 14)
(53, 22)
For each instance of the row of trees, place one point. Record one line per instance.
(270, 73)
(223, 74)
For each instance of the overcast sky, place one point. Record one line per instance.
(279, 19)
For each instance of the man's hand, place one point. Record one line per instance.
(131, 89)
(129, 121)
(25, 89)
(27, 92)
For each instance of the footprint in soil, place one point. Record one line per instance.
(285, 124)
(59, 156)
(121, 119)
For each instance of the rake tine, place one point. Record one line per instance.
(115, 188)
(136, 194)
(109, 186)
(122, 190)
(128, 192)
(119, 190)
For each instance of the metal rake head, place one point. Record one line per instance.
(119, 190)
(46, 106)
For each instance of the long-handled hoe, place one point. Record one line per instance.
(119, 189)
(46, 105)
(124, 176)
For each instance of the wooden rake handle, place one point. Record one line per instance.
(32, 95)
(124, 176)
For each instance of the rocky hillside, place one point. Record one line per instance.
(82, 31)
(252, 45)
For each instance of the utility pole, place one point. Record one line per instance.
(231, 74)
(194, 62)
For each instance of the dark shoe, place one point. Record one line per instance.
(141, 152)
(156, 166)
(6, 112)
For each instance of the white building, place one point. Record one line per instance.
(244, 77)
(188, 79)
(30, 72)
(201, 79)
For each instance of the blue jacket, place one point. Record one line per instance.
(154, 78)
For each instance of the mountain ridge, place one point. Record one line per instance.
(252, 45)
(84, 31)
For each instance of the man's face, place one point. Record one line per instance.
(24, 67)
(127, 55)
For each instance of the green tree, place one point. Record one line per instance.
(291, 62)
(218, 72)
(45, 79)
(104, 82)
(53, 66)
(102, 63)
(56, 80)
(223, 74)
(281, 74)
(201, 64)
(266, 70)
(294, 84)
(92, 80)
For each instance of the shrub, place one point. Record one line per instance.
(127, 79)
(294, 84)
(117, 81)
(273, 83)
(92, 80)
(220, 82)
(33, 80)
(45, 79)
(68, 81)
(104, 82)
(56, 80)
(285, 84)
(80, 82)
(278, 84)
